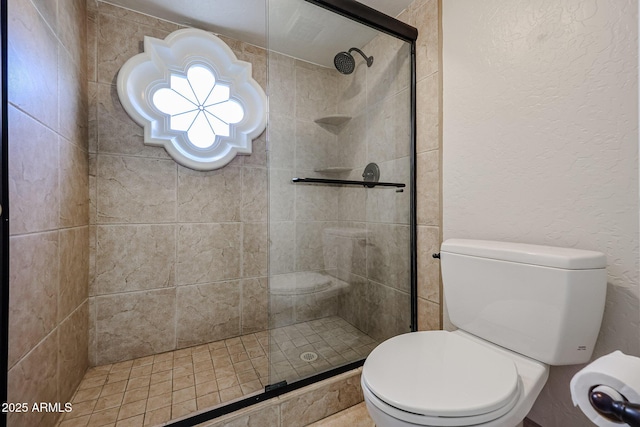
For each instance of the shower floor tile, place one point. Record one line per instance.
(155, 389)
(331, 340)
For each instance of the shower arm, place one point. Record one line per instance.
(368, 59)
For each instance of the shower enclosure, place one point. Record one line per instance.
(201, 292)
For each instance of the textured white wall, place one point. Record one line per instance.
(541, 144)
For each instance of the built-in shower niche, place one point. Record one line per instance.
(333, 124)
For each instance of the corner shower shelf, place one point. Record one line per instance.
(332, 170)
(369, 184)
(334, 120)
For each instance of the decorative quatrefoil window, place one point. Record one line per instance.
(194, 98)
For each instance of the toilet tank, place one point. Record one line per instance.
(541, 301)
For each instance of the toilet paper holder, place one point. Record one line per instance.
(613, 406)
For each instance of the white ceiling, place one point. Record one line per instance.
(296, 28)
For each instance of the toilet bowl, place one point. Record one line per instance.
(440, 378)
(519, 309)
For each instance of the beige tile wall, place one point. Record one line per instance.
(178, 258)
(424, 15)
(48, 179)
(299, 92)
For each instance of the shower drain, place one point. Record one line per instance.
(308, 356)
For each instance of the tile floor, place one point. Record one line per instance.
(155, 389)
(356, 416)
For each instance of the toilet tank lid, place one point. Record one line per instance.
(547, 256)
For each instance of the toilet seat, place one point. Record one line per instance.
(440, 378)
(428, 421)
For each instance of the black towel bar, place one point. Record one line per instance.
(369, 184)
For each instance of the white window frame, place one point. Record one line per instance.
(144, 74)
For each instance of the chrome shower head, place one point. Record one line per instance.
(345, 63)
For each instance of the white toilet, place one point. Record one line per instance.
(520, 308)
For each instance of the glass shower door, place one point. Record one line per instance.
(340, 251)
